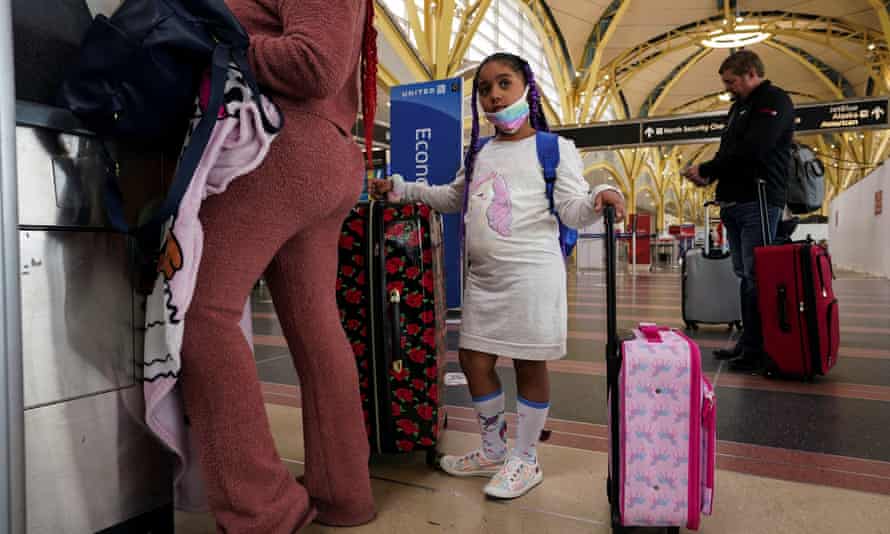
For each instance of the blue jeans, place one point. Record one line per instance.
(744, 231)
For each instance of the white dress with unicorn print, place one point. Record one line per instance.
(514, 301)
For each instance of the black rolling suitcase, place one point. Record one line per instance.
(391, 295)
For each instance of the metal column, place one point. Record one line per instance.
(12, 433)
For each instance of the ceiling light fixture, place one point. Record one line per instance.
(735, 34)
(724, 97)
(735, 38)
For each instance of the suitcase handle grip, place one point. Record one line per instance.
(650, 332)
(782, 305)
(398, 356)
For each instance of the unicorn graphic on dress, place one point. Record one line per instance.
(499, 213)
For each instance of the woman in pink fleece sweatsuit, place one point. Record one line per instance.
(284, 220)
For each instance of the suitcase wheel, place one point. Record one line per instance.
(691, 325)
(738, 325)
(432, 458)
(770, 370)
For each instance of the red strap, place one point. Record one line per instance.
(369, 81)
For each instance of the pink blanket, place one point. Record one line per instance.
(238, 144)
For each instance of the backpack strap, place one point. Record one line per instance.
(547, 144)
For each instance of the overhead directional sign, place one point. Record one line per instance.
(604, 135)
(693, 128)
(854, 114)
(843, 115)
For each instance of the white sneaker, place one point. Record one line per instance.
(514, 479)
(472, 464)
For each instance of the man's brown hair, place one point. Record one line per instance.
(743, 62)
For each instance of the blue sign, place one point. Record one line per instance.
(426, 140)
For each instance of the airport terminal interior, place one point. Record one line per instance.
(635, 84)
(792, 456)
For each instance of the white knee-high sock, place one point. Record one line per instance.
(532, 417)
(493, 426)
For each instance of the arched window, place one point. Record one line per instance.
(505, 28)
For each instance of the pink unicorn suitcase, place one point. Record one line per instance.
(662, 424)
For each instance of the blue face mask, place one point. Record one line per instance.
(510, 119)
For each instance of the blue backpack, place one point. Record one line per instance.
(548, 156)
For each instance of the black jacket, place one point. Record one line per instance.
(755, 144)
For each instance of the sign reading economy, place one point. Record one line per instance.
(426, 140)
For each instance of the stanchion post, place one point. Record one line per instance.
(12, 432)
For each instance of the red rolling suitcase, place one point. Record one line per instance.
(798, 308)
(391, 295)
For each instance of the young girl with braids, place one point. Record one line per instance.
(284, 220)
(514, 301)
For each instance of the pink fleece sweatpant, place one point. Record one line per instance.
(283, 220)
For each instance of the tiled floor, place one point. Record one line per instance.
(793, 457)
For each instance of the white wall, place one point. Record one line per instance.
(816, 232)
(858, 239)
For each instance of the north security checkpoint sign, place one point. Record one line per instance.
(426, 142)
(683, 129)
(845, 115)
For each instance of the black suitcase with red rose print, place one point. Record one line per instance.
(391, 295)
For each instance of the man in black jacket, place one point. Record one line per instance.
(755, 145)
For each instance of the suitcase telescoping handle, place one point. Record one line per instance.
(613, 364)
(764, 213)
(708, 205)
(611, 282)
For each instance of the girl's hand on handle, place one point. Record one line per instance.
(610, 197)
(379, 188)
